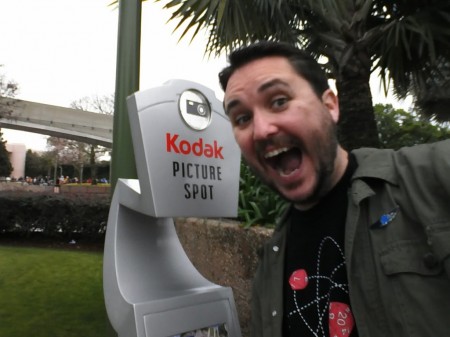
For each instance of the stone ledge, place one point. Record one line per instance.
(80, 189)
(226, 254)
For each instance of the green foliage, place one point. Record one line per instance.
(398, 128)
(432, 95)
(5, 165)
(47, 292)
(258, 204)
(37, 165)
(53, 215)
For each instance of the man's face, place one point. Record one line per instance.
(285, 132)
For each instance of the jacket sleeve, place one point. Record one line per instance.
(428, 185)
(438, 231)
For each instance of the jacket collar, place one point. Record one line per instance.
(375, 163)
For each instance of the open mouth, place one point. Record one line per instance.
(284, 160)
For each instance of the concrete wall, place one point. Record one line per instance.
(225, 254)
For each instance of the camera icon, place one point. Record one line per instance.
(196, 108)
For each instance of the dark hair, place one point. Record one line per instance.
(303, 63)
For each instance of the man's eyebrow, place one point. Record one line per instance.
(230, 106)
(271, 84)
(263, 87)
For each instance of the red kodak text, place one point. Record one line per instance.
(198, 148)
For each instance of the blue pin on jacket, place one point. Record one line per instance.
(386, 219)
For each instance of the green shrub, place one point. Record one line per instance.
(258, 204)
(53, 215)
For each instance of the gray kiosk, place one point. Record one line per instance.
(188, 165)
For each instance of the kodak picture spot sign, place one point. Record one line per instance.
(181, 128)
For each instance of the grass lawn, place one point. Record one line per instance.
(51, 293)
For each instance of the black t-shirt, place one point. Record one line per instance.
(316, 299)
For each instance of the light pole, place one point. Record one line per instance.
(127, 82)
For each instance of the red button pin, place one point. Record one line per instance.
(298, 279)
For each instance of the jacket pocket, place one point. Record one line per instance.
(410, 256)
(438, 233)
(415, 289)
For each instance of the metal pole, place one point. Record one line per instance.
(127, 82)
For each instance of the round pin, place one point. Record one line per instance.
(298, 279)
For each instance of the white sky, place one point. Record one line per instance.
(59, 51)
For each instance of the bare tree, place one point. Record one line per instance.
(101, 104)
(64, 152)
(8, 90)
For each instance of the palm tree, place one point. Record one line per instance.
(432, 93)
(402, 39)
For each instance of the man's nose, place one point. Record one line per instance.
(264, 125)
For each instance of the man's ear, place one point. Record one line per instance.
(331, 102)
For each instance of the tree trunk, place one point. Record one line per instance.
(357, 126)
(93, 164)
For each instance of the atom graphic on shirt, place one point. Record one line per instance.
(340, 318)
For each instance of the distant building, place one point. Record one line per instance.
(18, 153)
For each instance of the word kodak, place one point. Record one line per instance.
(198, 148)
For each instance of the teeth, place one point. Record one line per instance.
(276, 152)
(285, 174)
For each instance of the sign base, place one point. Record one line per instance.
(151, 288)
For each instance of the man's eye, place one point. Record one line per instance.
(241, 119)
(279, 102)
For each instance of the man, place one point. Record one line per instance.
(365, 248)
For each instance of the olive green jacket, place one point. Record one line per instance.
(398, 265)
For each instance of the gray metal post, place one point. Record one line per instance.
(127, 82)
